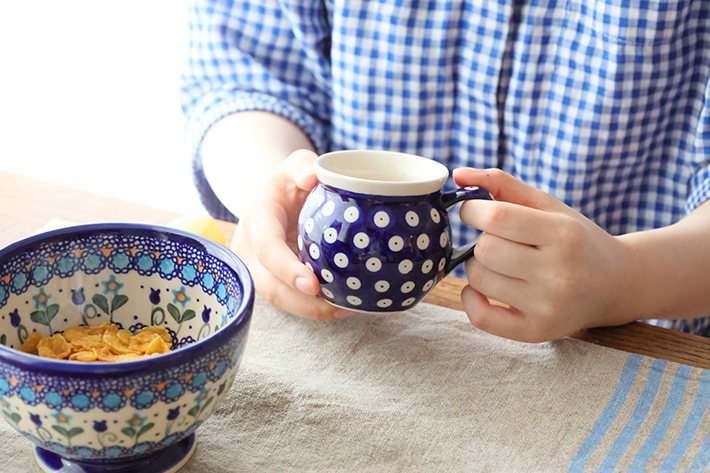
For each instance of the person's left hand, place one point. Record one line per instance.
(557, 271)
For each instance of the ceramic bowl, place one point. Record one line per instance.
(137, 416)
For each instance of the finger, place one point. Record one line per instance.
(494, 319)
(513, 222)
(506, 188)
(292, 300)
(298, 168)
(267, 234)
(505, 257)
(282, 296)
(498, 320)
(508, 290)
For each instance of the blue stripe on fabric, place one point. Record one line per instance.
(703, 458)
(637, 417)
(691, 424)
(597, 433)
(675, 397)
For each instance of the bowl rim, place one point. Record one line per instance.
(122, 368)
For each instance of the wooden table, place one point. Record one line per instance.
(27, 205)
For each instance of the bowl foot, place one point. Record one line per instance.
(168, 460)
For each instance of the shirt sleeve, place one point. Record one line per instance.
(267, 55)
(699, 190)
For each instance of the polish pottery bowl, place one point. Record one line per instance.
(124, 416)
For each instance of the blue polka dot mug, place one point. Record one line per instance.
(376, 231)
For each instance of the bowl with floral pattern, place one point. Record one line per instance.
(124, 416)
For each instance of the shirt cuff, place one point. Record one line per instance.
(699, 188)
(242, 101)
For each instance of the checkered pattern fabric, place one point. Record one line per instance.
(601, 103)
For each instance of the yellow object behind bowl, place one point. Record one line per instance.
(203, 225)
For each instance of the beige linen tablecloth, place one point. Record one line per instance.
(425, 391)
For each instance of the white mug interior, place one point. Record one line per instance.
(386, 173)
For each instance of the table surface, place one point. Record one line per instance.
(27, 205)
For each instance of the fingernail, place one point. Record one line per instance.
(306, 286)
(342, 313)
(306, 176)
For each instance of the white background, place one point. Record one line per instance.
(89, 97)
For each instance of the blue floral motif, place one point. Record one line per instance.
(61, 417)
(154, 296)
(15, 318)
(77, 296)
(41, 299)
(173, 413)
(112, 286)
(100, 426)
(136, 421)
(202, 396)
(180, 297)
(197, 378)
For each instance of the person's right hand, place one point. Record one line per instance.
(265, 241)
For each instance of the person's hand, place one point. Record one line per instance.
(555, 269)
(265, 241)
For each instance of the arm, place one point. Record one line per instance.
(558, 272)
(673, 276)
(254, 91)
(241, 149)
(261, 167)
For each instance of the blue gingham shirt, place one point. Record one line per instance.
(601, 103)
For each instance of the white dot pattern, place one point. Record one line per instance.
(326, 275)
(406, 266)
(408, 302)
(370, 254)
(341, 260)
(330, 235)
(384, 303)
(351, 214)
(396, 243)
(361, 240)
(373, 265)
(328, 208)
(412, 218)
(427, 266)
(382, 219)
(309, 225)
(382, 286)
(353, 283)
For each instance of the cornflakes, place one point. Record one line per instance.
(101, 342)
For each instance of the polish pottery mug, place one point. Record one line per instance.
(375, 230)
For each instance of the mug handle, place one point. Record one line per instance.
(449, 199)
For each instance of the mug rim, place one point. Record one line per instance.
(427, 178)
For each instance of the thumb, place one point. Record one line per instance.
(506, 188)
(299, 167)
